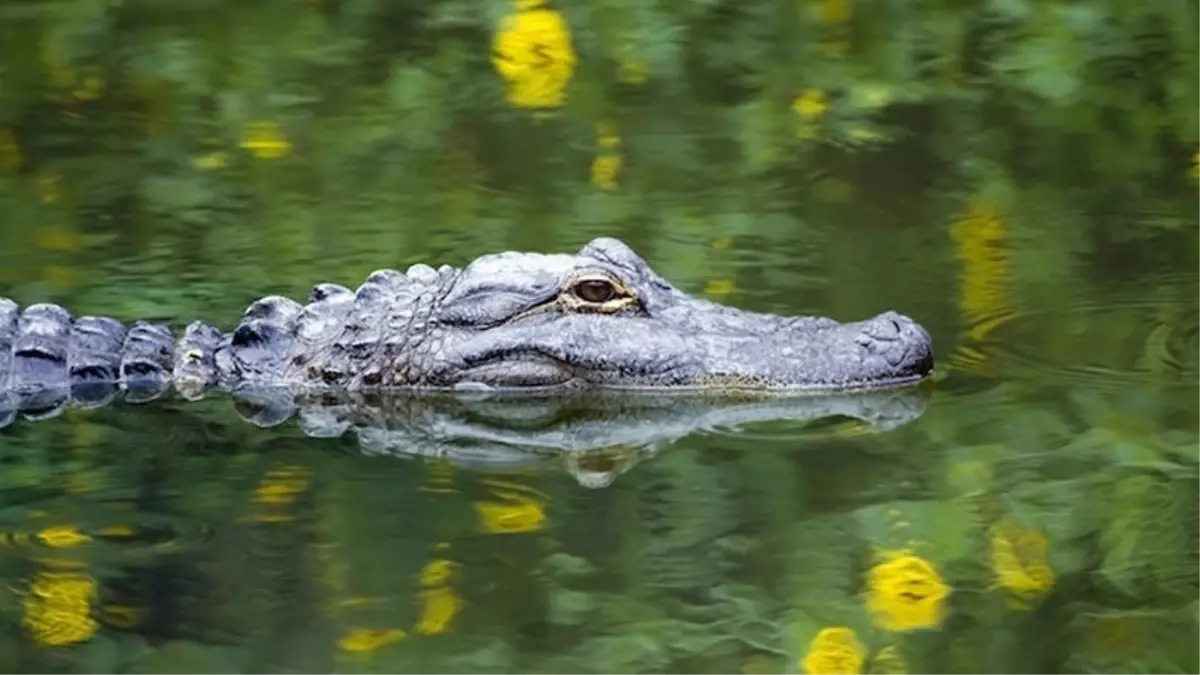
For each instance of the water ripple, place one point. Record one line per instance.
(1127, 338)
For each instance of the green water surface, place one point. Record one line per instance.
(1020, 177)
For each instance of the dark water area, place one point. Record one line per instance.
(1030, 198)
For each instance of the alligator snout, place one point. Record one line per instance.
(899, 341)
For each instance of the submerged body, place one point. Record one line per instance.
(599, 318)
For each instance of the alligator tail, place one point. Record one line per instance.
(49, 359)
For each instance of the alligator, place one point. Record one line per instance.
(598, 319)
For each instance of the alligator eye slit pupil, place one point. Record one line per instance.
(595, 290)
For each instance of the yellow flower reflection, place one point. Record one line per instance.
(604, 171)
(833, 651)
(905, 592)
(63, 537)
(519, 514)
(366, 640)
(439, 606)
(265, 140)
(979, 234)
(282, 485)
(810, 104)
(607, 163)
(279, 488)
(532, 51)
(1019, 561)
(439, 601)
(58, 608)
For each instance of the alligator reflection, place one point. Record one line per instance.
(597, 434)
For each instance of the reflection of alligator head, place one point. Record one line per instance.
(598, 434)
(601, 318)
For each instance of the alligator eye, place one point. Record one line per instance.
(596, 291)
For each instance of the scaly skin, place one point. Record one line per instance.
(600, 318)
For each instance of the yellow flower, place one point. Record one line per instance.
(58, 608)
(833, 651)
(265, 140)
(905, 592)
(63, 537)
(1019, 561)
(532, 51)
(810, 104)
(363, 640)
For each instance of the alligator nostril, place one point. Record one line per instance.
(884, 329)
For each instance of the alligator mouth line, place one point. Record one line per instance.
(543, 373)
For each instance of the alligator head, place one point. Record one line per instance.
(604, 318)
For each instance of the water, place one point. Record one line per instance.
(1033, 509)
